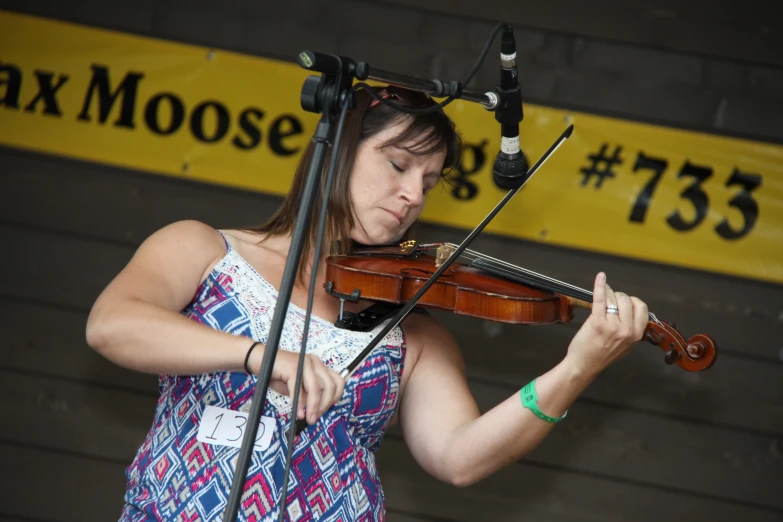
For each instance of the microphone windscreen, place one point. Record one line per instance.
(510, 173)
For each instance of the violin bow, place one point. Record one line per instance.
(403, 312)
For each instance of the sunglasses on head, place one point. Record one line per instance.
(416, 99)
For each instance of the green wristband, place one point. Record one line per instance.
(530, 401)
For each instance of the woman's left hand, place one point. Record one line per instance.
(617, 322)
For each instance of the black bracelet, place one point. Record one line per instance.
(247, 357)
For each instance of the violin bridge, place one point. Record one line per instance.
(443, 252)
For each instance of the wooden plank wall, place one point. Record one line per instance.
(646, 442)
(747, 32)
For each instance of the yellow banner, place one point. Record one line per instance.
(642, 191)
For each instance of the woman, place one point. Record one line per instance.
(194, 306)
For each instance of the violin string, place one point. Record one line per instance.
(578, 293)
(536, 276)
(546, 283)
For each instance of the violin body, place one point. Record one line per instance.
(486, 289)
(461, 289)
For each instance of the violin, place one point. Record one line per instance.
(486, 288)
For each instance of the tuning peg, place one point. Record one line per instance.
(671, 356)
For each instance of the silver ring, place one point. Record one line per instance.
(611, 309)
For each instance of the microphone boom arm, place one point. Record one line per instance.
(436, 88)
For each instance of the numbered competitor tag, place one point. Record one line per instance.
(224, 427)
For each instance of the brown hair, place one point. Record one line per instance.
(424, 134)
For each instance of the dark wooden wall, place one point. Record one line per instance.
(646, 442)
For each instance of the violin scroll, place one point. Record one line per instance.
(694, 355)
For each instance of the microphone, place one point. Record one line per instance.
(511, 166)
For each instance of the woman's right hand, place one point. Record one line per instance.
(320, 388)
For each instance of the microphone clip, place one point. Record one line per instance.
(509, 107)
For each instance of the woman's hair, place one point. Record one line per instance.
(423, 134)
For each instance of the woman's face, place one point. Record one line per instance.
(388, 186)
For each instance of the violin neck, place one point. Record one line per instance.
(578, 297)
(578, 303)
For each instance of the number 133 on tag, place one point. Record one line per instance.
(224, 427)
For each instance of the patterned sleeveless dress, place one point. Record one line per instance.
(175, 477)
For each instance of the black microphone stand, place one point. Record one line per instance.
(326, 95)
